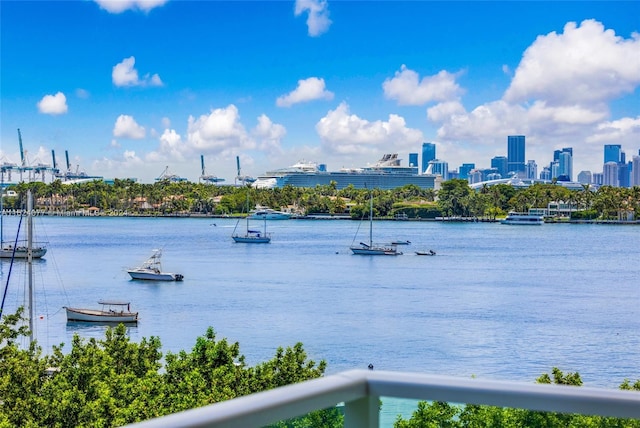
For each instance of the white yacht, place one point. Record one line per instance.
(523, 219)
(268, 214)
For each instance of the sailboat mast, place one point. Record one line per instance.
(371, 220)
(30, 262)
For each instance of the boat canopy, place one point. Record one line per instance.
(113, 302)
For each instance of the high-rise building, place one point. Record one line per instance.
(635, 170)
(438, 167)
(500, 163)
(413, 159)
(545, 174)
(565, 166)
(623, 174)
(584, 177)
(612, 153)
(531, 170)
(465, 168)
(428, 154)
(610, 174)
(515, 154)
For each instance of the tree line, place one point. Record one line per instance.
(113, 381)
(455, 198)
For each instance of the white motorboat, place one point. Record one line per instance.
(372, 249)
(268, 214)
(516, 218)
(151, 270)
(113, 311)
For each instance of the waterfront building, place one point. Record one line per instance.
(584, 177)
(428, 154)
(612, 153)
(610, 174)
(635, 171)
(515, 154)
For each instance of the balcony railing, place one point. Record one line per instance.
(360, 391)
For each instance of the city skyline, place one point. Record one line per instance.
(131, 87)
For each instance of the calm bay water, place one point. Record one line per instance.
(497, 301)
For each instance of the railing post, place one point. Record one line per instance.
(362, 413)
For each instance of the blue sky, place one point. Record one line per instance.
(131, 87)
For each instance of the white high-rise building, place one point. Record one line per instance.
(610, 174)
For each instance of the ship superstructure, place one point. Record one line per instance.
(387, 173)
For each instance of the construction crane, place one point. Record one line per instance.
(168, 176)
(243, 179)
(209, 179)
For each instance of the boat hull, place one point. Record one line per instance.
(21, 253)
(375, 251)
(94, 315)
(252, 239)
(523, 219)
(153, 276)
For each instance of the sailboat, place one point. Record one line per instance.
(372, 249)
(17, 249)
(251, 236)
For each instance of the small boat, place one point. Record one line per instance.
(371, 249)
(251, 236)
(516, 218)
(151, 270)
(426, 253)
(264, 213)
(112, 311)
(401, 242)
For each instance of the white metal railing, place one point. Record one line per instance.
(360, 391)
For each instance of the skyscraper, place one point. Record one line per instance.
(465, 168)
(500, 163)
(612, 153)
(565, 166)
(515, 154)
(428, 154)
(531, 170)
(413, 159)
(635, 171)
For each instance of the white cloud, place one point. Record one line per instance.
(626, 129)
(219, 131)
(126, 127)
(342, 132)
(585, 64)
(318, 21)
(119, 6)
(406, 88)
(442, 111)
(125, 74)
(270, 134)
(171, 147)
(309, 89)
(53, 104)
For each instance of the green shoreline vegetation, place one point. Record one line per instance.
(113, 382)
(455, 199)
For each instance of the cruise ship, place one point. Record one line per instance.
(385, 174)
